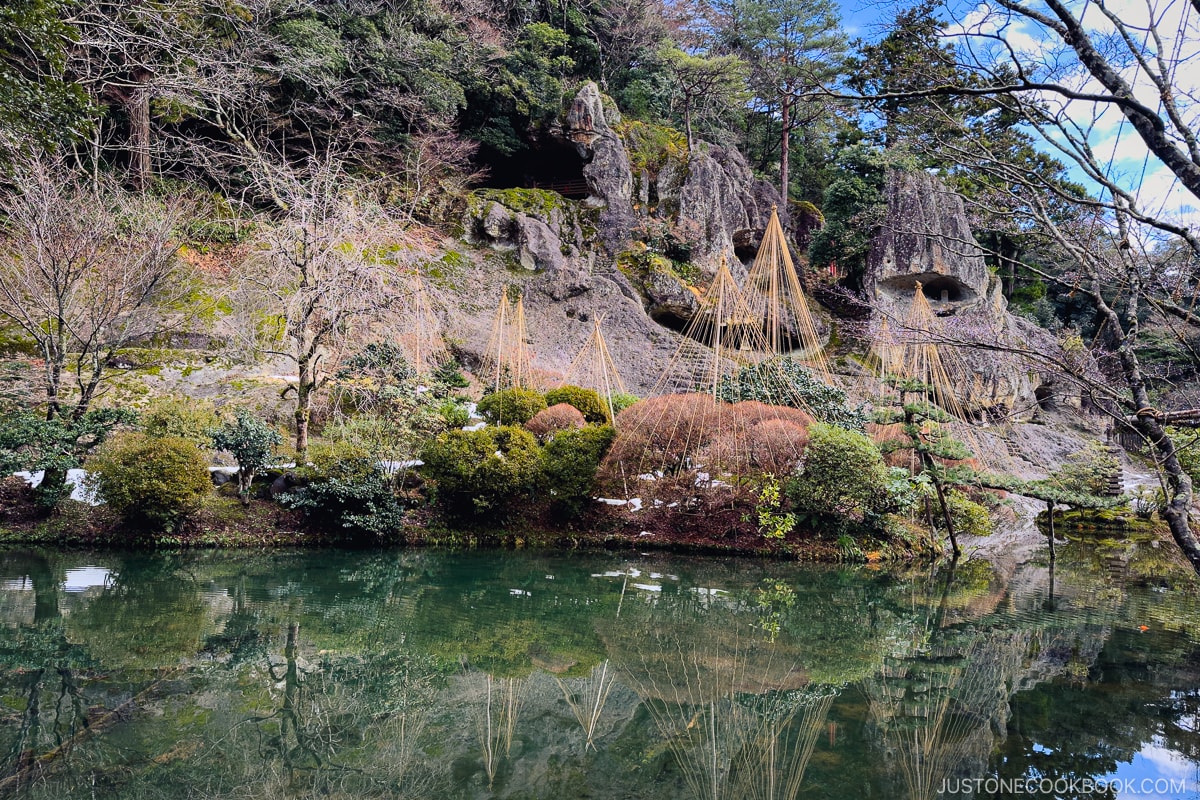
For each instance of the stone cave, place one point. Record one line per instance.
(551, 164)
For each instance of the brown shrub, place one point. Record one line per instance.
(550, 421)
(676, 434)
(777, 445)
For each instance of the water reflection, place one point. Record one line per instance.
(514, 675)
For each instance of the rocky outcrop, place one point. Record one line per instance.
(710, 194)
(544, 231)
(925, 239)
(721, 196)
(609, 177)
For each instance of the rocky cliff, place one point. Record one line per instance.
(925, 239)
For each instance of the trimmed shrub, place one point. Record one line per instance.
(671, 433)
(251, 443)
(511, 406)
(589, 403)
(570, 461)
(549, 421)
(155, 481)
(843, 473)
(484, 471)
(969, 518)
(777, 445)
(664, 433)
(185, 418)
(344, 490)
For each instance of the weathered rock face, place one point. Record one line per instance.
(713, 195)
(723, 198)
(925, 238)
(608, 174)
(542, 229)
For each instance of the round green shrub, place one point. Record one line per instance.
(969, 518)
(184, 417)
(511, 406)
(587, 401)
(150, 480)
(570, 460)
(843, 473)
(484, 471)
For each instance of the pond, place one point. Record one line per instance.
(414, 674)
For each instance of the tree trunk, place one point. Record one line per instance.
(941, 495)
(1050, 516)
(687, 120)
(785, 117)
(138, 108)
(304, 388)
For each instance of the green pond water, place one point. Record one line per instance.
(422, 674)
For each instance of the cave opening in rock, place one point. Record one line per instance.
(552, 164)
(937, 288)
(1044, 395)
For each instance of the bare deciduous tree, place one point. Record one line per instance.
(85, 270)
(324, 273)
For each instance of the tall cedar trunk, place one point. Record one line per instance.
(138, 108)
(785, 118)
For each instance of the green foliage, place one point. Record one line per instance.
(185, 418)
(38, 102)
(652, 147)
(784, 381)
(525, 91)
(394, 410)
(251, 443)
(345, 489)
(843, 473)
(773, 523)
(774, 599)
(1187, 450)
(853, 207)
(569, 463)
(622, 400)
(449, 374)
(150, 480)
(969, 517)
(483, 472)
(1087, 471)
(514, 406)
(32, 443)
(587, 401)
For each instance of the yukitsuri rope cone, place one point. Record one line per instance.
(594, 368)
(507, 362)
(695, 431)
(422, 341)
(774, 294)
(914, 365)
